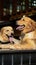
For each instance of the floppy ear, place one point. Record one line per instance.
(33, 23)
(2, 30)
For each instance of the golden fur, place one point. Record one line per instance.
(5, 32)
(27, 26)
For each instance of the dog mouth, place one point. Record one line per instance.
(20, 27)
(10, 37)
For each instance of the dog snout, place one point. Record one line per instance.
(12, 34)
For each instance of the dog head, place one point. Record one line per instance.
(26, 24)
(7, 33)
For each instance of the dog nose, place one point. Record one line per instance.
(11, 33)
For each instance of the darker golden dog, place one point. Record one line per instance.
(27, 26)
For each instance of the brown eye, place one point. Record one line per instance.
(23, 25)
(7, 30)
(11, 30)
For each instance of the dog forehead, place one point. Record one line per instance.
(7, 28)
(23, 20)
(26, 17)
(20, 22)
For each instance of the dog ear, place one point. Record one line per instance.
(2, 30)
(33, 23)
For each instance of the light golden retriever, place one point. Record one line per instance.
(27, 26)
(7, 40)
(7, 35)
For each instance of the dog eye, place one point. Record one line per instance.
(23, 25)
(11, 30)
(7, 30)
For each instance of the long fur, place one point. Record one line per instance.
(7, 30)
(29, 38)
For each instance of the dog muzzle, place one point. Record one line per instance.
(10, 38)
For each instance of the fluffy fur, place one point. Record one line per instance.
(27, 26)
(7, 34)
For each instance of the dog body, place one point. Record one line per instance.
(27, 26)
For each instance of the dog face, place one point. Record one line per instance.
(26, 24)
(7, 33)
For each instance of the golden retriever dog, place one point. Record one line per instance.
(7, 35)
(27, 26)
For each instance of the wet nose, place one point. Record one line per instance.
(11, 33)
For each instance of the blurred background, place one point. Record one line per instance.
(13, 9)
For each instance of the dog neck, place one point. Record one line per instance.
(27, 31)
(23, 34)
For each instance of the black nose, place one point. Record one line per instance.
(12, 34)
